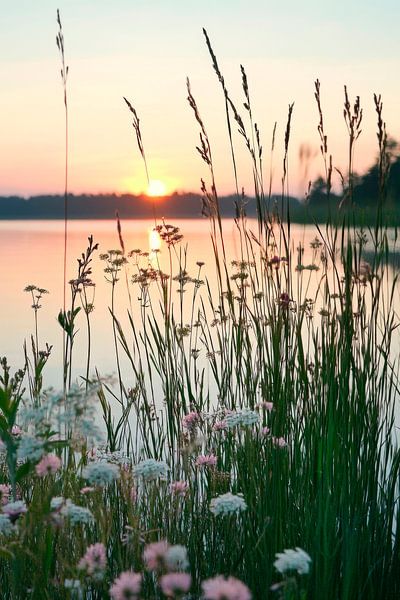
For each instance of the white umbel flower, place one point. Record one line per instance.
(293, 560)
(151, 469)
(228, 504)
(101, 473)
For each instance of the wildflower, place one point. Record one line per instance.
(126, 586)
(228, 504)
(179, 488)
(87, 490)
(293, 560)
(265, 431)
(14, 509)
(151, 469)
(77, 514)
(243, 418)
(206, 460)
(154, 555)
(49, 465)
(56, 503)
(279, 442)
(101, 473)
(6, 526)
(30, 448)
(219, 426)
(220, 588)
(16, 431)
(94, 561)
(4, 493)
(175, 583)
(176, 558)
(190, 421)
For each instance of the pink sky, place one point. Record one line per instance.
(145, 53)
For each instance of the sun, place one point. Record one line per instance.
(156, 188)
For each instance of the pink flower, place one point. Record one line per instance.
(220, 588)
(126, 586)
(154, 555)
(279, 442)
(206, 460)
(94, 561)
(87, 489)
(16, 430)
(219, 426)
(49, 465)
(190, 421)
(268, 406)
(179, 488)
(4, 493)
(175, 583)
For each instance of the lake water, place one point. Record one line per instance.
(32, 253)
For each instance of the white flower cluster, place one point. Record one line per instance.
(228, 504)
(6, 527)
(30, 448)
(56, 502)
(242, 418)
(176, 558)
(100, 473)
(117, 457)
(76, 514)
(151, 469)
(293, 560)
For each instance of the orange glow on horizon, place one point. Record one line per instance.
(156, 188)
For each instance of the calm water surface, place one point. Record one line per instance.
(32, 253)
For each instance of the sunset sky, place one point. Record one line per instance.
(144, 49)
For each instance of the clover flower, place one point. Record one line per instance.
(190, 421)
(101, 473)
(151, 469)
(220, 588)
(94, 561)
(77, 514)
(49, 464)
(173, 584)
(219, 426)
(179, 488)
(293, 560)
(154, 555)
(228, 504)
(126, 586)
(206, 460)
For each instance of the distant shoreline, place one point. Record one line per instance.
(181, 206)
